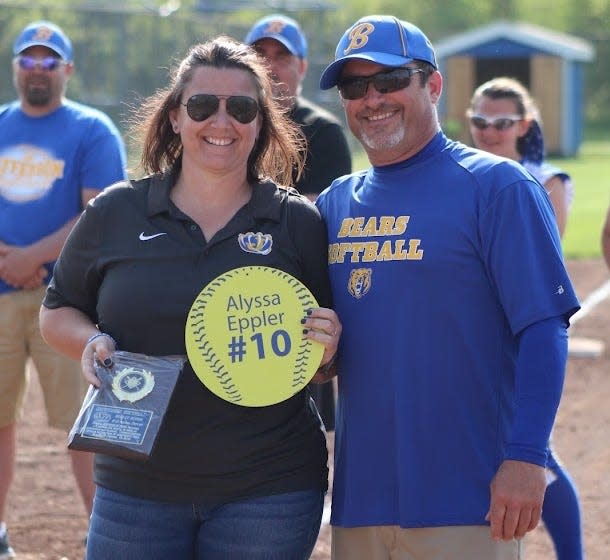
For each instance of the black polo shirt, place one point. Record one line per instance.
(328, 155)
(134, 264)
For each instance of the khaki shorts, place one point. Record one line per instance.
(470, 542)
(61, 380)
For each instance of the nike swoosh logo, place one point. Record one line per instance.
(144, 237)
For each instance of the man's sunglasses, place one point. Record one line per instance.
(499, 123)
(202, 106)
(387, 81)
(48, 63)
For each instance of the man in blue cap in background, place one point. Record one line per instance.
(55, 155)
(448, 277)
(281, 42)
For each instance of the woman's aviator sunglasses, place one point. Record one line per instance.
(387, 81)
(48, 63)
(499, 123)
(202, 106)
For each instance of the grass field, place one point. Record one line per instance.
(590, 173)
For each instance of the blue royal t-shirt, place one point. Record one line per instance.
(436, 263)
(46, 162)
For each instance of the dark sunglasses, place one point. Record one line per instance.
(387, 81)
(202, 106)
(499, 123)
(48, 63)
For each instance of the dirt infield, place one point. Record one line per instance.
(47, 521)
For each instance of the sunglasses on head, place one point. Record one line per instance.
(202, 106)
(387, 81)
(499, 123)
(48, 63)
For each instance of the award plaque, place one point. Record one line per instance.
(244, 336)
(123, 416)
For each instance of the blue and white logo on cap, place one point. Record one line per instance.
(384, 40)
(281, 28)
(44, 34)
(358, 37)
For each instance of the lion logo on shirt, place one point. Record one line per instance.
(359, 282)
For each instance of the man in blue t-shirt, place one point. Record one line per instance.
(448, 278)
(55, 155)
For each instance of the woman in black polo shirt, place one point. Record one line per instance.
(223, 481)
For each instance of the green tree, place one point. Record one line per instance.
(124, 49)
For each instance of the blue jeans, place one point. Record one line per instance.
(278, 527)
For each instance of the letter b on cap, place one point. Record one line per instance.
(359, 36)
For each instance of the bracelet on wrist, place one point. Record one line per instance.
(97, 335)
(325, 369)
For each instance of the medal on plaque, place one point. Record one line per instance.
(244, 336)
(123, 416)
(131, 384)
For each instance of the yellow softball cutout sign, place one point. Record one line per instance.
(244, 336)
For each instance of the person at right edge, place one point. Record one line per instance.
(505, 120)
(447, 273)
(605, 240)
(280, 41)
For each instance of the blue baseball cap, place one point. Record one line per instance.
(44, 34)
(281, 28)
(382, 39)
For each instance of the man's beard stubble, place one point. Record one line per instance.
(383, 142)
(37, 96)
